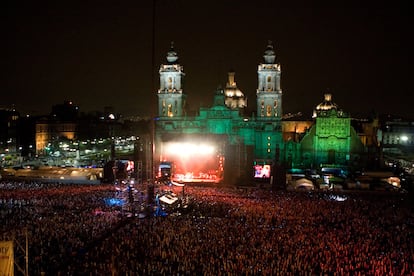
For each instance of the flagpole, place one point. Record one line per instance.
(27, 254)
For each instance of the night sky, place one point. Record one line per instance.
(99, 53)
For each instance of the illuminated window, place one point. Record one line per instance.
(170, 111)
(163, 107)
(170, 82)
(268, 111)
(275, 107)
(262, 109)
(269, 83)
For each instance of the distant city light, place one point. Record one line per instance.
(394, 181)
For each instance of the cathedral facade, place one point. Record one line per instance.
(221, 144)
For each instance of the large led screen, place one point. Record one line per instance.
(193, 161)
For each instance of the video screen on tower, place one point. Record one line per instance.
(262, 171)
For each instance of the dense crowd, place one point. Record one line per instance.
(222, 232)
(59, 220)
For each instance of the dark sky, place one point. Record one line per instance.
(99, 53)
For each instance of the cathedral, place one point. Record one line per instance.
(221, 144)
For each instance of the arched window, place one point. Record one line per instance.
(170, 83)
(170, 111)
(268, 111)
(163, 107)
(262, 109)
(275, 107)
(269, 83)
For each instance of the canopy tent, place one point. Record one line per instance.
(304, 183)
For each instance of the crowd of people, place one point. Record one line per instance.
(224, 231)
(59, 220)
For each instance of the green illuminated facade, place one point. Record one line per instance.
(243, 140)
(331, 140)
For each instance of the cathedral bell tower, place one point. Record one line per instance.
(269, 93)
(171, 100)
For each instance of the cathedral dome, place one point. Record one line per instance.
(234, 97)
(327, 104)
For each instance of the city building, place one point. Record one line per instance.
(222, 143)
(396, 137)
(397, 134)
(9, 148)
(332, 139)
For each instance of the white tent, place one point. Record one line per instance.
(304, 184)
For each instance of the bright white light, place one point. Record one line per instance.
(338, 197)
(394, 181)
(404, 138)
(187, 149)
(205, 149)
